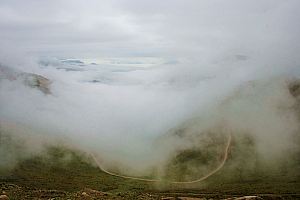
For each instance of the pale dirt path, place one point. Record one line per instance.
(226, 152)
(225, 156)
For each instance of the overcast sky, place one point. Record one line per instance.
(169, 29)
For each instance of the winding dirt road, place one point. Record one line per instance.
(225, 156)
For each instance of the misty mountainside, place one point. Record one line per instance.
(205, 138)
(66, 171)
(165, 100)
(250, 158)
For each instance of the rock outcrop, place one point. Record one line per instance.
(294, 88)
(29, 79)
(4, 197)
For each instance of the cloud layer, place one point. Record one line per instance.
(201, 53)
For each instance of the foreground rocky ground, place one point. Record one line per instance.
(12, 191)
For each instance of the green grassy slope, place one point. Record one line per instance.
(62, 173)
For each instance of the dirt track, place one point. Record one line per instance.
(225, 156)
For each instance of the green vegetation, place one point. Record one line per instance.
(196, 162)
(61, 173)
(61, 169)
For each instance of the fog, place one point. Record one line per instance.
(213, 62)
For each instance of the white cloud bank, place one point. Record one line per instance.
(211, 49)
